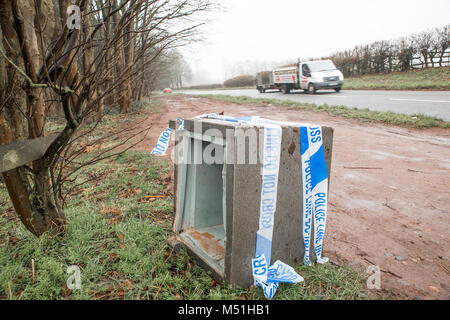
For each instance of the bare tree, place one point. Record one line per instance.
(78, 68)
(443, 40)
(396, 55)
(405, 51)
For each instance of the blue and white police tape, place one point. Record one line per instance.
(315, 183)
(163, 143)
(164, 139)
(181, 125)
(265, 277)
(315, 190)
(268, 278)
(269, 186)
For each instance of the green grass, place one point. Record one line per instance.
(147, 105)
(428, 79)
(119, 242)
(118, 238)
(364, 115)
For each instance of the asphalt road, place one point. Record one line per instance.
(431, 103)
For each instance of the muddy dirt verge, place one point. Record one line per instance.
(389, 193)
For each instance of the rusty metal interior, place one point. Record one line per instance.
(202, 226)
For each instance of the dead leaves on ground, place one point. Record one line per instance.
(87, 148)
(121, 238)
(112, 258)
(112, 291)
(9, 238)
(66, 292)
(178, 297)
(13, 239)
(130, 192)
(114, 214)
(9, 214)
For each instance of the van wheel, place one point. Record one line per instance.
(286, 89)
(311, 89)
(337, 89)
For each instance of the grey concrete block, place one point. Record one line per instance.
(225, 244)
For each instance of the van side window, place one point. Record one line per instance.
(305, 70)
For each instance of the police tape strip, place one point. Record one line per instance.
(266, 277)
(269, 187)
(164, 139)
(315, 190)
(163, 143)
(315, 193)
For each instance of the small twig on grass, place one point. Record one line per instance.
(159, 289)
(32, 269)
(10, 291)
(154, 219)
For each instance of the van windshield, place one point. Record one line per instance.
(317, 66)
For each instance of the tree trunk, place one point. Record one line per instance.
(119, 58)
(88, 60)
(34, 204)
(109, 99)
(128, 49)
(8, 74)
(30, 193)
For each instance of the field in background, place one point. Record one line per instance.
(117, 235)
(428, 79)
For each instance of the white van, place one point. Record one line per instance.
(309, 76)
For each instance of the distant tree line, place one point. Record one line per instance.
(422, 50)
(235, 82)
(206, 86)
(240, 81)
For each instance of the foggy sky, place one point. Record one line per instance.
(258, 34)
